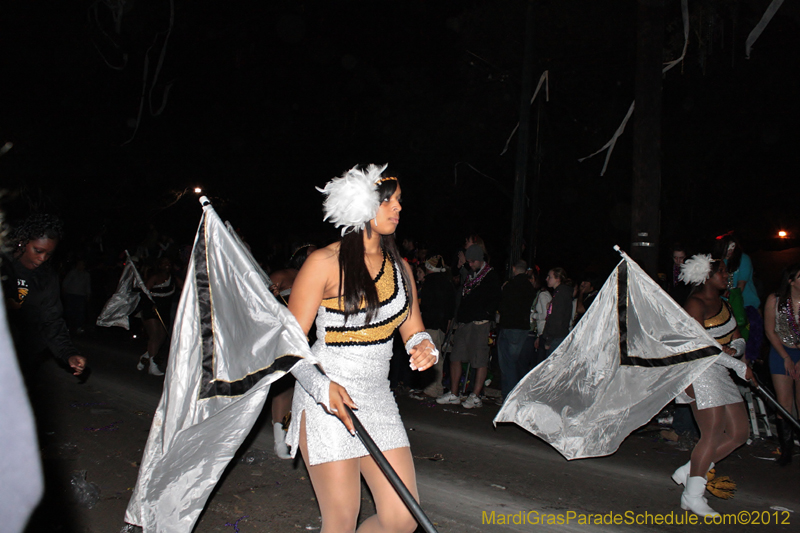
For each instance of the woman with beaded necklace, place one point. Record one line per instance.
(782, 326)
(716, 402)
(359, 290)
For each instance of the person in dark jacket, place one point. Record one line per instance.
(515, 311)
(480, 296)
(587, 292)
(675, 287)
(32, 295)
(559, 317)
(437, 301)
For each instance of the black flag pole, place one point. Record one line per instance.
(778, 407)
(391, 475)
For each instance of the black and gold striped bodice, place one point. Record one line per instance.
(392, 312)
(722, 325)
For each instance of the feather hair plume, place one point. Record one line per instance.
(352, 200)
(696, 269)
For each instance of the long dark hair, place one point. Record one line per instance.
(789, 275)
(355, 283)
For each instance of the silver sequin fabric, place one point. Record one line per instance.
(715, 386)
(358, 359)
(783, 326)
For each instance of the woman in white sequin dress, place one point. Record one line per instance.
(716, 402)
(359, 290)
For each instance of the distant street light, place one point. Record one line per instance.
(782, 234)
(198, 190)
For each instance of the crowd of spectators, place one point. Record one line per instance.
(485, 318)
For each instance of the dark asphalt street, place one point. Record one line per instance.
(466, 468)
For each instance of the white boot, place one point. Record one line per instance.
(682, 473)
(142, 361)
(154, 370)
(692, 498)
(281, 450)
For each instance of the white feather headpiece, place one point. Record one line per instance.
(352, 200)
(696, 269)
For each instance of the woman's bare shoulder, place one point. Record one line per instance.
(695, 306)
(324, 258)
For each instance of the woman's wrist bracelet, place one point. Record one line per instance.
(417, 338)
(739, 346)
(408, 339)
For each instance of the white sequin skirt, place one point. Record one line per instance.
(713, 388)
(363, 371)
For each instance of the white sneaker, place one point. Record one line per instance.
(154, 370)
(472, 402)
(448, 398)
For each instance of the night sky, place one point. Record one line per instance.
(265, 100)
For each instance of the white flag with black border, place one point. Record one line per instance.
(633, 351)
(231, 340)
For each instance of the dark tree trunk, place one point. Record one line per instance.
(646, 198)
(520, 175)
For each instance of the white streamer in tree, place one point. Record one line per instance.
(756, 33)
(543, 79)
(610, 144)
(613, 141)
(685, 15)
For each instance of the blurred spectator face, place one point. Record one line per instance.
(37, 252)
(679, 256)
(729, 251)
(165, 265)
(475, 265)
(586, 287)
(552, 280)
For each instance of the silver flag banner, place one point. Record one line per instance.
(126, 298)
(633, 351)
(231, 340)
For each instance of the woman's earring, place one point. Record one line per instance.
(375, 221)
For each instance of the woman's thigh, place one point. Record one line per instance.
(783, 389)
(337, 485)
(387, 502)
